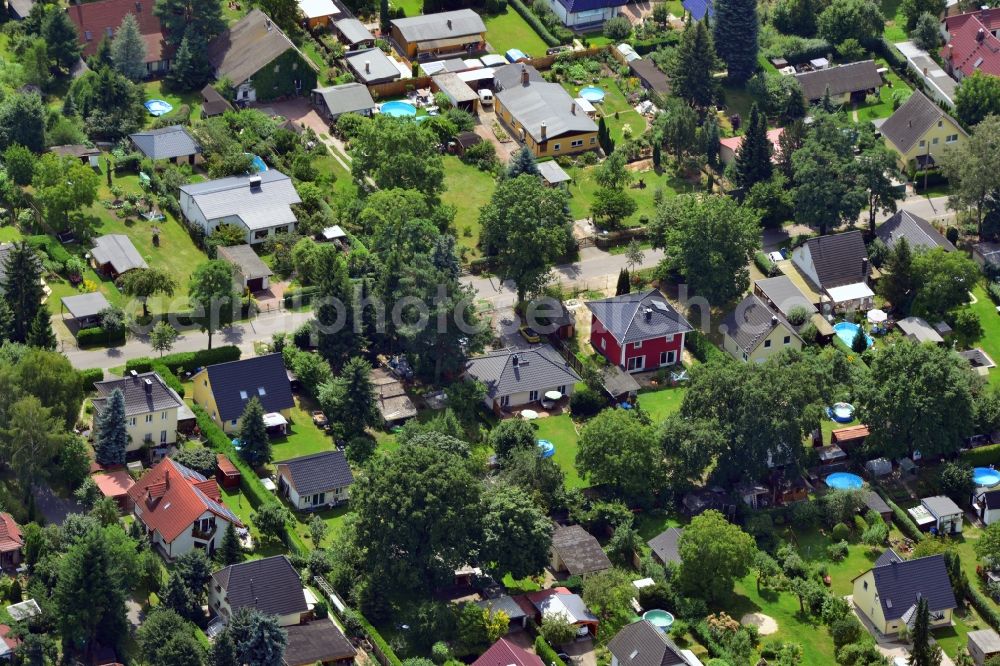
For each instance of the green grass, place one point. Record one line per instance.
(334, 519)
(510, 31)
(884, 108)
(661, 404)
(649, 525)
(411, 7)
(311, 49)
(240, 505)
(561, 431)
(304, 438)
(895, 24)
(738, 100)
(9, 234)
(615, 108)
(467, 189)
(990, 321)
(584, 187)
(156, 90)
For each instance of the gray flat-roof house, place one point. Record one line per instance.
(371, 66)
(354, 33)
(168, 143)
(983, 644)
(334, 101)
(259, 204)
(437, 34)
(114, 255)
(518, 377)
(252, 274)
(315, 481)
(917, 231)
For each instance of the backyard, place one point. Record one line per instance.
(584, 186)
(467, 189)
(895, 90)
(615, 107)
(304, 438)
(510, 31)
(985, 309)
(561, 431)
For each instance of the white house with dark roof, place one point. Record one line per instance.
(837, 266)
(518, 377)
(151, 408)
(887, 594)
(315, 481)
(270, 585)
(986, 505)
(639, 331)
(918, 232)
(755, 332)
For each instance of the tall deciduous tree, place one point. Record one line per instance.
(971, 170)
(112, 436)
(255, 444)
(977, 96)
(128, 50)
(619, 450)
(22, 121)
(213, 296)
(913, 9)
(143, 283)
(714, 553)
(943, 281)
(512, 435)
(753, 159)
(162, 337)
(31, 439)
(397, 153)
(517, 534)
(851, 19)
(691, 67)
(878, 172)
(826, 192)
(736, 28)
(63, 185)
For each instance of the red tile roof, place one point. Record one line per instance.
(733, 143)
(98, 17)
(505, 653)
(225, 465)
(972, 46)
(172, 497)
(5, 636)
(113, 484)
(10, 534)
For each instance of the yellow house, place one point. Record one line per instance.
(887, 594)
(151, 408)
(224, 390)
(755, 332)
(920, 132)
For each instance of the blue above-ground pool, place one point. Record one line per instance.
(592, 94)
(546, 449)
(985, 477)
(841, 412)
(846, 331)
(398, 109)
(844, 481)
(258, 163)
(660, 619)
(158, 107)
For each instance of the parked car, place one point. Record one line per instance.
(530, 334)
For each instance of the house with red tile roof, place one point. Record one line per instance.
(180, 509)
(11, 542)
(729, 146)
(973, 43)
(99, 20)
(506, 653)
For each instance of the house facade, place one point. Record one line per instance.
(260, 205)
(919, 132)
(315, 481)
(520, 377)
(438, 34)
(151, 408)
(97, 21)
(754, 332)
(585, 14)
(638, 332)
(271, 585)
(224, 389)
(837, 265)
(887, 593)
(986, 504)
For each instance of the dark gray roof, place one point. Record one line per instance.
(249, 265)
(990, 252)
(579, 550)
(664, 545)
(214, 103)
(850, 78)
(503, 603)
(639, 316)
(977, 358)
(552, 173)
(912, 120)
(651, 76)
(249, 45)
(642, 644)
(875, 502)
(900, 584)
(83, 306)
(752, 321)
(235, 382)
(917, 231)
(992, 499)
(21, 7)
(838, 258)
(941, 505)
(541, 103)
(258, 208)
(444, 25)
(372, 66)
(77, 150)
(353, 31)
(317, 473)
(509, 76)
(319, 641)
(271, 585)
(888, 557)
(346, 98)
(144, 393)
(165, 143)
(117, 250)
(783, 295)
(617, 382)
(538, 369)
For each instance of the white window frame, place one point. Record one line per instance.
(533, 396)
(636, 364)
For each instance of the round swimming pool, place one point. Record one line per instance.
(546, 449)
(846, 331)
(660, 619)
(844, 481)
(158, 107)
(398, 109)
(985, 477)
(592, 94)
(841, 412)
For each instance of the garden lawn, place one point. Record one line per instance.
(990, 321)
(9, 234)
(895, 24)
(240, 505)
(411, 7)
(812, 546)
(615, 108)
(896, 88)
(561, 431)
(305, 438)
(467, 189)
(509, 31)
(156, 90)
(334, 519)
(662, 403)
(583, 188)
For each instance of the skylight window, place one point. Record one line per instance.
(261, 392)
(243, 395)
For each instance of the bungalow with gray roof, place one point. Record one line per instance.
(642, 644)
(837, 266)
(114, 255)
(441, 33)
(844, 83)
(371, 66)
(917, 231)
(518, 377)
(315, 481)
(252, 274)
(334, 101)
(167, 143)
(354, 33)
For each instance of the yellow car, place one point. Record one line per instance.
(530, 334)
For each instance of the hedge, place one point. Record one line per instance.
(50, 246)
(169, 378)
(299, 297)
(186, 360)
(764, 263)
(982, 456)
(702, 348)
(983, 605)
(376, 638)
(534, 22)
(547, 654)
(902, 520)
(98, 337)
(91, 376)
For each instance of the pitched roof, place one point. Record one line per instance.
(991, 498)
(838, 258)
(77, 150)
(113, 484)
(987, 640)
(651, 75)
(642, 644)
(96, 20)
(914, 118)
(639, 316)
(900, 584)
(214, 103)
(353, 31)
(346, 98)
(506, 653)
(117, 250)
(972, 45)
(318, 8)
(246, 261)
(444, 25)
(165, 143)
(509, 76)
(10, 534)
(537, 368)
(83, 306)
(371, 65)
(751, 321)
(317, 473)
(783, 295)
(579, 550)
(917, 231)
(260, 207)
(172, 497)
(560, 601)
(248, 46)
(875, 502)
(505, 603)
(574, 6)
(888, 557)
(235, 382)
(733, 143)
(841, 79)
(541, 103)
(21, 7)
(144, 393)
(941, 505)
(271, 585)
(552, 173)
(699, 8)
(664, 544)
(319, 641)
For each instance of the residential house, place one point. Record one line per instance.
(438, 34)
(507, 653)
(947, 515)
(972, 43)
(213, 103)
(781, 294)
(315, 481)
(642, 644)
(84, 309)
(114, 485)
(151, 408)
(224, 389)
(259, 204)
(11, 542)
(97, 21)
(542, 115)
(180, 510)
(577, 552)
(19, 9)
(518, 377)
(114, 255)
(585, 15)
(260, 60)
(986, 505)
(372, 66)
(252, 274)
(755, 332)
(650, 76)
(919, 330)
(86, 154)
(317, 642)
(730, 146)
(354, 34)
(983, 644)
(918, 232)
(515, 614)
(639, 331)
(845, 83)
(887, 594)
(167, 143)
(919, 132)
(270, 585)
(318, 13)
(334, 101)
(560, 602)
(665, 545)
(837, 266)
(699, 9)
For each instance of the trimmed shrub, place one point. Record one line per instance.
(840, 532)
(186, 360)
(860, 525)
(543, 649)
(837, 551)
(982, 604)
(764, 263)
(702, 348)
(585, 402)
(169, 378)
(91, 376)
(902, 520)
(98, 337)
(994, 291)
(300, 297)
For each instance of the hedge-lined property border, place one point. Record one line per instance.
(97, 337)
(186, 360)
(534, 22)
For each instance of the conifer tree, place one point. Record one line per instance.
(523, 161)
(40, 334)
(128, 51)
(22, 288)
(923, 652)
(230, 551)
(255, 444)
(753, 159)
(112, 436)
(623, 286)
(736, 28)
(691, 66)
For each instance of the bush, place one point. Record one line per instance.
(543, 649)
(840, 532)
(994, 291)
(837, 551)
(860, 524)
(98, 337)
(186, 360)
(764, 263)
(586, 402)
(617, 28)
(91, 376)
(804, 515)
(169, 378)
(198, 458)
(902, 520)
(798, 315)
(985, 607)
(702, 348)
(302, 296)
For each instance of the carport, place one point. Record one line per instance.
(85, 309)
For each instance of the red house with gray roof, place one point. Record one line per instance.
(96, 21)
(639, 331)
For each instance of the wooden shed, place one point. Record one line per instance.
(226, 473)
(849, 437)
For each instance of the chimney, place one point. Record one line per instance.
(980, 35)
(149, 385)
(255, 182)
(572, 108)
(449, 24)
(514, 360)
(774, 320)
(648, 313)
(524, 75)
(368, 66)
(864, 266)
(166, 478)
(267, 24)
(138, 7)
(544, 130)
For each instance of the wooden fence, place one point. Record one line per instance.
(399, 87)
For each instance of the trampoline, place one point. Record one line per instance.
(592, 94)
(660, 619)
(844, 481)
(398, 109)
(546, 449)
(985, 477)
(841, 412)
(158, 107)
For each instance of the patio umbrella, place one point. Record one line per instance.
(553, 395)
(877, 316)
(529, 414)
